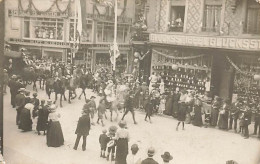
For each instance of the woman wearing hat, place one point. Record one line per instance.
(122, 136)
(25, 118)
(54, 131)
(166, 157)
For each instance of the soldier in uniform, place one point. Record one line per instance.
(234, 114)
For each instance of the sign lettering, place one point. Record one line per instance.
(207, 41)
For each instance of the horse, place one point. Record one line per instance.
(29, 76)
(49, 86)
(71, 85)
(59, 87)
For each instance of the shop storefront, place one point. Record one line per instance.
(225, 66)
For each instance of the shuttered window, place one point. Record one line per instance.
(211, 18)
(253, 20)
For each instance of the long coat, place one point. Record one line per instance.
(42, 118)
(83, 126)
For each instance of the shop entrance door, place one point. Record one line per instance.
(222, 77)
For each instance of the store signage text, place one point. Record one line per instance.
(39, 42)
(35, 13)
(204, 41)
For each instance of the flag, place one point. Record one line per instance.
(79, 23)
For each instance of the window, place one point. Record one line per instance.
(253, 18)
(177, 19)
(43, 28)
(211, 18)
(105, 32)
(88, 29)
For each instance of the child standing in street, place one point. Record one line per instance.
(162, 104)
(101, 111)
(111, 144)
(103, 138)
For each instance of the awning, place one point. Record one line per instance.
(13, 54)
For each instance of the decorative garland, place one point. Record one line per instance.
(31, 4)
(107, 4)
(179, 58)
(237, 68)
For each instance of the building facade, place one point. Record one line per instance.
(208, 45)
(46, 29)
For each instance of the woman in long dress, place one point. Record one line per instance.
(182, 110)
(223, 116)
(122, 137)
(197, 118)
(54, 131)
(25, 118)
(169, 104)
(175, 105)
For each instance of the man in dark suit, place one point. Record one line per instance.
(150, 159)
(234, 113)
(13, 89)
(82, 130)
(257, 122)
(91, 106)
(19, 102)
(129, 105)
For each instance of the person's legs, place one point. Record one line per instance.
(77, 142)
(133, 114)
(230, 123)
(84, 143)
(246, 131)
(235, 124)
(182, 125)
(125, 114)
(178, 125)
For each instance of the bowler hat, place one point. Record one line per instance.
(166, 156)
(35, 94)
(92, 97)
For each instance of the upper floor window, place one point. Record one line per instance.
(176, 22)
(252, 25)
(211, 18)
(87, 37)
(105, 32)
(43, 28)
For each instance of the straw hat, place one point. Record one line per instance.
(53, 108)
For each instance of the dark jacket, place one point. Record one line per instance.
(149, 161)
(103, 139)
(129, 102)
(83, 126)
(20, 100)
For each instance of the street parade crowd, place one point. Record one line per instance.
(118, 93)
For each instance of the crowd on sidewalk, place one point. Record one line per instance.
(127, 94)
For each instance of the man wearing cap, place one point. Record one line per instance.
(150, 159)
(82, 130)
(19, 102)
(129, 106)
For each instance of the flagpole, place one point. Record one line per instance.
(74, 32)
(115, 37)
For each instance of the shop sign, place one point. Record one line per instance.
(35, 13)
(207, 41)
(40, 42)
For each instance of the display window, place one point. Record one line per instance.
(43, 28)
(87, 37)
